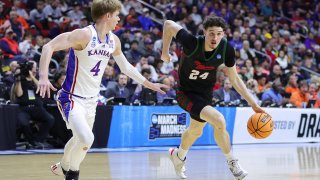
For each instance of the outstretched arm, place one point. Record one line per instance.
(170, 29)
(238, 84)
(132, 72)
(76, 39)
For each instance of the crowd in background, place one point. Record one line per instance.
(276, 44)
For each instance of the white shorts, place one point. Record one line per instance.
(73, 108)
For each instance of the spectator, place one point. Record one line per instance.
(300, 97)
(144, 95)
(31, 105)
(276, 73)
(126, 39)
(168, 67)
(196, 16)
(133, 54)
(273, 95)
(75, 14)
(108, 76)
(246, 52)
(225, 93)
(252, 86)
(236, 41)
(143, 63)
(53, 11)
(14, 24)
(282, 60)
(313, 91)
(145, 21)
(9, 47)
(120, 90)
(18, 7)
(38, 15)
(292, 85)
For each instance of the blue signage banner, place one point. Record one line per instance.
(137, 126)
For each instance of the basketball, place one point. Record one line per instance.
(260, 125)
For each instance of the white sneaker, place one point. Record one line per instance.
(177, 163)
(57, 169)
(236, 169)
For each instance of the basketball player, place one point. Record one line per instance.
(197, 73)
(90, 50)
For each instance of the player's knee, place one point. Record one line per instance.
(87, 140)
(220, 123)
(195, 132)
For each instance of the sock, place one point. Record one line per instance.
(229, 156)
(182, 153)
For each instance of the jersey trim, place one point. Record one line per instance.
(71, 68)
(215, 52)
(224, 50)
(107, 37)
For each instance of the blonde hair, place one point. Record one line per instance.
(102, 7)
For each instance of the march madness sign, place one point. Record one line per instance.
(167, 125)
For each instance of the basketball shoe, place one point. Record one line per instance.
(236, 169)
(177, 163)
(58, 170)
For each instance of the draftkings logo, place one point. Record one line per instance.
(167, 125)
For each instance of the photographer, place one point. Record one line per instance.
(31, 106)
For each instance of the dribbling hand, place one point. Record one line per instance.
(258, 109)
(44, 87)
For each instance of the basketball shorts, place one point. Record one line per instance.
(77, 107)
(193, 103)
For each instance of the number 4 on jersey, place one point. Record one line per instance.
(195, 74)
(96, 69)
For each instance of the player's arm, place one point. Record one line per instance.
(241, 88)
(76, 39)
(132, 72)
(170, 30)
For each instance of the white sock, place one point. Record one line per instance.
(182, 153)
(229, 156)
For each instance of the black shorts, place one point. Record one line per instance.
(193, 103)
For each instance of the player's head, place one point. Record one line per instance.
(106, 10)
(214, 28)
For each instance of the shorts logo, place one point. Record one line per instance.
(219, 56)
(167, 125)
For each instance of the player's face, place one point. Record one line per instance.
(114, 19)
(213, 36)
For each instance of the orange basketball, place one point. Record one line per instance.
(260, 125)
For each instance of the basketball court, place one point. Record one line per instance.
(262, 161)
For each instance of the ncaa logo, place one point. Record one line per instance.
(219, 56)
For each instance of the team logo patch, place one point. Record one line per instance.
(219, 56)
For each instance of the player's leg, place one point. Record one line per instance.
(216, 119)
(222, 138)
(193, 132)
(178, 156)
(83, 136)
(65, 107)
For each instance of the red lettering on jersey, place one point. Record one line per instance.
(200, 66)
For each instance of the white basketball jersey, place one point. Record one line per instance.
(86, 67)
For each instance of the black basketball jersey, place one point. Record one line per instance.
(198, 73)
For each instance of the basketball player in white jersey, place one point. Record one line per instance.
(90, 50)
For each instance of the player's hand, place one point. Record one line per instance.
(165, 57)
(44, 87)
(258, 109)
(158, 87)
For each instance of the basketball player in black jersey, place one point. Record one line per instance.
(202, 57)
